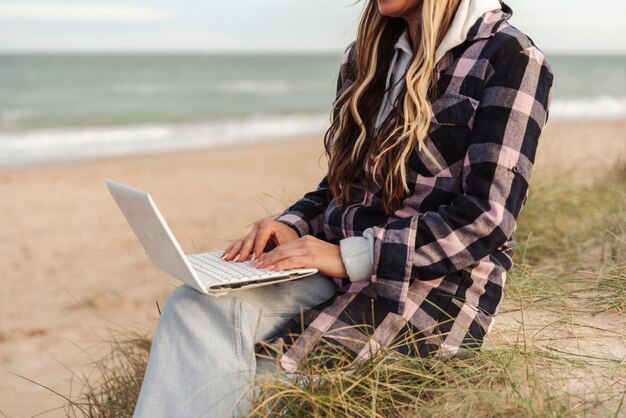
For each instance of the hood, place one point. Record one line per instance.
(467, 14)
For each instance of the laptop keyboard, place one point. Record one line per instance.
(228, 271)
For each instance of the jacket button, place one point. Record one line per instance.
(515, 169)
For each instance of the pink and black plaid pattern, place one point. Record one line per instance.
(441, 259)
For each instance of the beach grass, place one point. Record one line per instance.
(516, 380)
(551, 353)
(113, 389)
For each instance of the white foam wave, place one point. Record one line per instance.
(32, 147)
(35, 146)
(143, 89)
(266, 88)
(599, 108)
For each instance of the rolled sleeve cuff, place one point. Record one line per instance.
(295, 222)
(357, 254)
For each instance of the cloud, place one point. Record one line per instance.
(83, 12)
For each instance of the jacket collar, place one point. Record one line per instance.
(467, 24)
(487, 25)
(482, 27)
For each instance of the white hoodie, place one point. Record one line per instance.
(357, 253)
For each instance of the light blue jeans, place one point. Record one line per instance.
(202, 360)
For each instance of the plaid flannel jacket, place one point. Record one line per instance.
(440, 260)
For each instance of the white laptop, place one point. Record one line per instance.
(205, 272)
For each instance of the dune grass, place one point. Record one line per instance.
(570, 267)
(114, 389)
(567, 224)
(509, 381)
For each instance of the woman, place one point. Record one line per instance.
(439, 108)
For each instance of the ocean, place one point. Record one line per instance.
(64, 107)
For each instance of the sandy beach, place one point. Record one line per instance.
(73, 272)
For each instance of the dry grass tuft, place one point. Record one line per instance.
(114, 392)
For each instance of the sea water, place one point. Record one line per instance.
(60, 107)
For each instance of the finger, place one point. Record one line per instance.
(248, 242)
(236, 246)
(288, 246)
(262, 236)
(291, 263)
(280, 253)
(271, 255)
(272, 243)
(227, 249)
(234, 250)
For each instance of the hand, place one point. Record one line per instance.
(266, 234)
(305, 252)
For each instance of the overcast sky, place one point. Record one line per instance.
(572, 26)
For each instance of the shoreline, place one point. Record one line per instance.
(31, 147)
(73, 271)
(165, 147)
(60, 163)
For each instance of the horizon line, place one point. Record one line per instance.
(245, 52)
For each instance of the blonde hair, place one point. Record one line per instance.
(351, 130)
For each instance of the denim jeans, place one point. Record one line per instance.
(202, 361)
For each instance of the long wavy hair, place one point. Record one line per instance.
(349, 140)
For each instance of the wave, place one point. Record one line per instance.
(31, 147)
(265, 88)
(46, 145)
(598, 108)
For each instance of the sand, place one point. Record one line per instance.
(73, 272)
